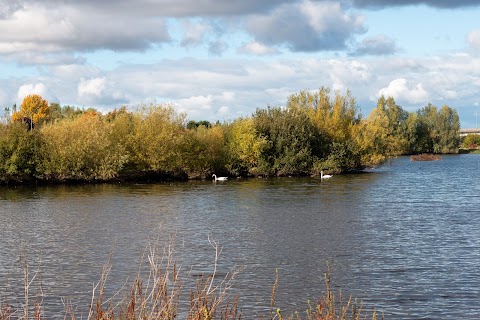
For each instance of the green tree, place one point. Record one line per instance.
(448, 124)
(414, 133)
(337, 122)
(19, 152)
(438, 130)
(292, 141)
(471, 141)
(192, 124)
(58, 112)
(202, 151)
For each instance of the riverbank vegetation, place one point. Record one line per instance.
(470, 144)
(162, 290)
(314, 131)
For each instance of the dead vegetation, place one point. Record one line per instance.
(159, 293)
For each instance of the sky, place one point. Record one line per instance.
(223, 59)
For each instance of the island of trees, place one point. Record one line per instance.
(314, 131)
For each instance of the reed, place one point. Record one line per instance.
(159, 293)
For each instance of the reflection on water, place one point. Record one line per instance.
(405, 238)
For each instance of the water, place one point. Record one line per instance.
(403, 238)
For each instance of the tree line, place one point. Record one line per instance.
(314, 131)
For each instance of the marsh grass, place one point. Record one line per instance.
(159, 292)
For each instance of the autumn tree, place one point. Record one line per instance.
(81, 149)
(157, 132)
(244, 147)
(33, 107)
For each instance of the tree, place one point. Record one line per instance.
(438, 130)
(201, 151)
(58, 113)
(81, 149)
(471, 141)
(448, 126)
(292, 141)
(19, 152)
(192, 124)
(244, 147)
(33, 107)
(156, 133)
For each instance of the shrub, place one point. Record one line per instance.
(81, 149)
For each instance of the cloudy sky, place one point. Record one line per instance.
(221, 59)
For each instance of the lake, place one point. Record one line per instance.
(404, 238)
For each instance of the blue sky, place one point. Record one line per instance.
(219, 60)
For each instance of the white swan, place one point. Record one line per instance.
(325, 176)
(219, 178)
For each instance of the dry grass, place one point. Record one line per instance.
(160, 295)
(328, 307)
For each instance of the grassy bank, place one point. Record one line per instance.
(163, 292)
(469, 151)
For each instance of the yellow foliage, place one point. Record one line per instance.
(335, 118)
(244, 145)
(33, 107)
(81, 148)
(155, 138)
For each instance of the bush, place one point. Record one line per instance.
(19, 152)
(81, 149)
(471, 141)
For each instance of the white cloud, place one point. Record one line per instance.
(473, 39)
(228, 96)
(37, 88)
(41, 28)
(224, 111)
(98, 91)
(194, 32)
(202, 107)
(92, 87)
(28, 89)
(202, 87)
(73, 72)
(377, 45)
(195, 102)
(44, 58)
(347, 74)
(399, 90)
(256, 48)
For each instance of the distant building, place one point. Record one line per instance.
(464, 132)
